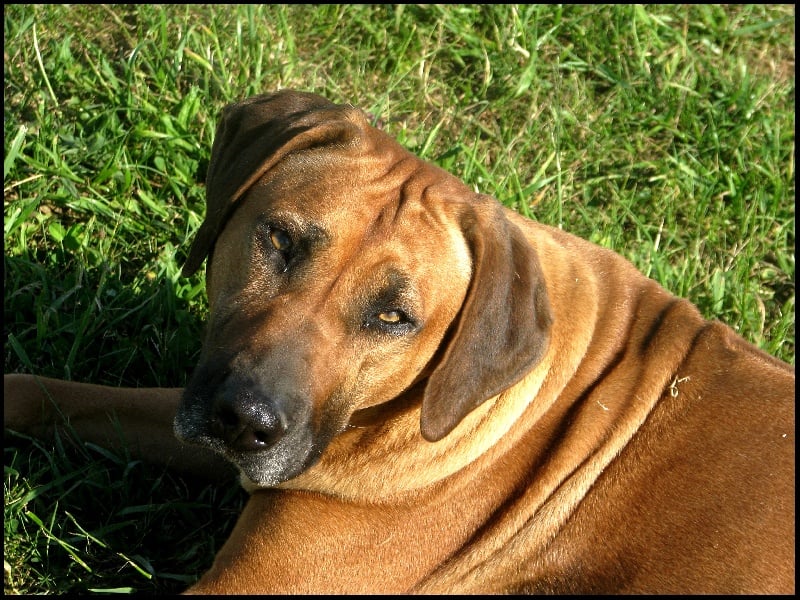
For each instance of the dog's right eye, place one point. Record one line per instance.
(278, 247)
(280, 240)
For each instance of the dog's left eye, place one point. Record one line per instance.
(392, 317)
(392, 321)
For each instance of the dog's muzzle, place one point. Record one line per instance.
(268, 436)
(243, 421)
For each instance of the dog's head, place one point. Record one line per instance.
(345, 273)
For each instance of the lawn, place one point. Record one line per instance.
(663, 132)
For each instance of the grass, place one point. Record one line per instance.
(663, 132)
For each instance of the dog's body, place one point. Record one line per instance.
(426, 392)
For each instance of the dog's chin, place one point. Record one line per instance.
(268, 468)
(273, 468)
(250, 485)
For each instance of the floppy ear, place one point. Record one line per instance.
(503, 328)
(251, 138)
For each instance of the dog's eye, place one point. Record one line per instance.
(280, 240)
(392, 317)
(393, 321)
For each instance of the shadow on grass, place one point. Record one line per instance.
(78, 518)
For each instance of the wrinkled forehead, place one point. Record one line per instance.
(367, 222)
(377, 187)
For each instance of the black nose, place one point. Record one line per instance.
(246, 420)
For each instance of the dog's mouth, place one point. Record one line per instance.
(270, 439)
(275, 463)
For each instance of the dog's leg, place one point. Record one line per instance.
(138, 419)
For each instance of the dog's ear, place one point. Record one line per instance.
(251, 138)
(503, 328)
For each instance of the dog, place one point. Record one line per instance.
(425, 392)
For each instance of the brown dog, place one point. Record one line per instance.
(426, 392)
